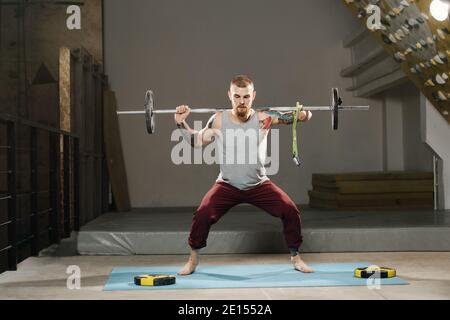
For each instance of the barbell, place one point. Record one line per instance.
(335, 107)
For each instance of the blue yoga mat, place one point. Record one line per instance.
(247, 276)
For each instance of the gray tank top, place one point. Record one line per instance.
(242, 152)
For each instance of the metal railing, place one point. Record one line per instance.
(61, 197)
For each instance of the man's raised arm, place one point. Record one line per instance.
(197, 139)
(287, 118)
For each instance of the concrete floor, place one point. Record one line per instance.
(45, 278)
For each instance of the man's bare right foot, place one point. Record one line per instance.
(189, 268)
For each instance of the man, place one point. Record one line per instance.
(241, 182)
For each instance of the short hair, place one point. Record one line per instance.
(242, 81)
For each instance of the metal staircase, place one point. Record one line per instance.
(410, 45)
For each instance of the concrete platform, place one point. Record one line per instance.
(249, 230)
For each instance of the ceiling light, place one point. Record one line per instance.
(439, 9)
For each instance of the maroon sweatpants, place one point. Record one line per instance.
(267, 196)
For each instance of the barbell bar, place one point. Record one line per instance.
(335, 108)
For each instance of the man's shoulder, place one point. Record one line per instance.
(216, 120)
(262, 115)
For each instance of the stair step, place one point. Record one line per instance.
(381, 186)
(392, 175)
(370, 196)
(371, 204)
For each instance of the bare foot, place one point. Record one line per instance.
(192, 263)
(188, 268)
(300, 265)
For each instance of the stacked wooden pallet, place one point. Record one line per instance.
(374, 190)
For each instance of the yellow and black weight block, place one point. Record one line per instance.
(154, 280)
(383, 272)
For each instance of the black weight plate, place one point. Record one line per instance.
(149, 117)
(335, 108)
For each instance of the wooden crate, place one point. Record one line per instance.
(387, 190)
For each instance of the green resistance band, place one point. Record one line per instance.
(297, 111)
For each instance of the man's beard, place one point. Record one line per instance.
(242, 111)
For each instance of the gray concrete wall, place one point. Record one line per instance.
(187, 51)
(394, 154)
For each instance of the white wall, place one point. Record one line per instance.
(435, 132)
(187, 51)
(418, 157)
(394, 155)
(404, 147)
